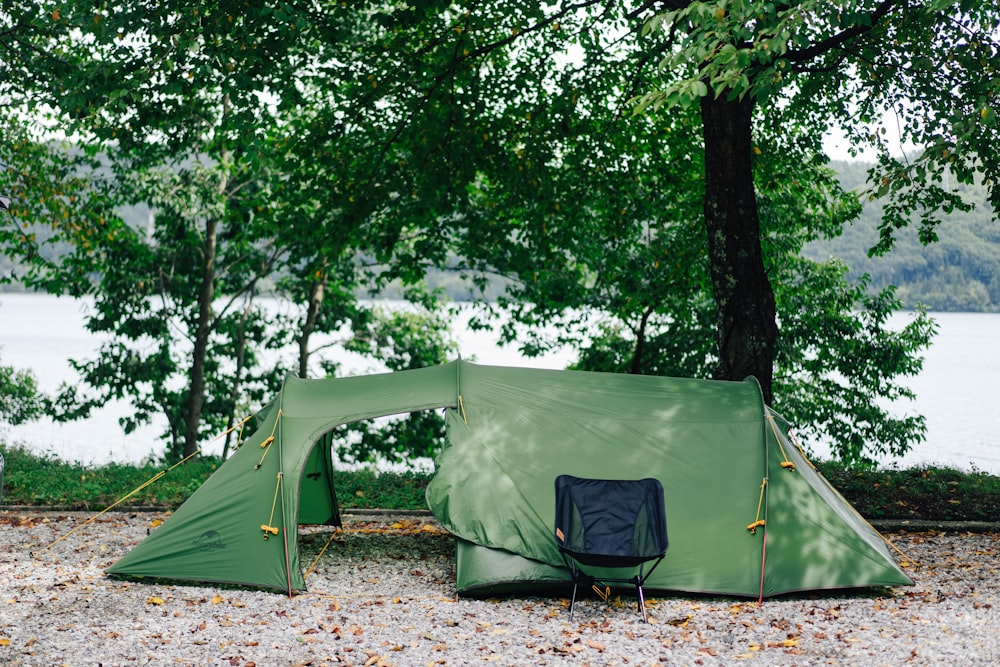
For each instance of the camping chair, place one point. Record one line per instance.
(610, 524)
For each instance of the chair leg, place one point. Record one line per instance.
(572, 601)
(642, 600)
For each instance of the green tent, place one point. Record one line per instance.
(747, 515)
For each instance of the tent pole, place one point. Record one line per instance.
(763, 559)
(284, 527)
(281, 487)
(766, 498)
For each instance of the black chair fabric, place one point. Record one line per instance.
(610, 524)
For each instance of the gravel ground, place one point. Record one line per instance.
(383, 594)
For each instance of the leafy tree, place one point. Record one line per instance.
(226, 122)
(20, 400)
(402, 339)
(932, 64)
(828, 323)
(598, 217)
(503, 133)
(157, 95)
(739, 67)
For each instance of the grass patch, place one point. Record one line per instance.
(928, 493)
(44, 480)
(931, 493)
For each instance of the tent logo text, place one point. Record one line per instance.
(210, 540)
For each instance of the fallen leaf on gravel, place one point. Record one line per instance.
(154, 600)
(788, 643)
(597, 646)
(217, 599)
(4, 641)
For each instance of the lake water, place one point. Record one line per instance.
(956, 390)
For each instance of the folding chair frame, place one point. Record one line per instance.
(581, 577)
(577, 560)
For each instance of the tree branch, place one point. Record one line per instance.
(847, 35)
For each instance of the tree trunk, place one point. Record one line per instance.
(635, 367)
(316, 292)
(203, 329)
(240, 343)
(744, 300)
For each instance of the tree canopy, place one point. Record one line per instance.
(651, 169)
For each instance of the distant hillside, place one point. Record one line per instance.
(960, 272)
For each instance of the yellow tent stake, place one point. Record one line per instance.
(605, 595)
(322, 551)
(268, 528)
(128, 495)
(758, 522)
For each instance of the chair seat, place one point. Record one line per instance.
(608, 560)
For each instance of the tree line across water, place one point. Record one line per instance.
(960, 272)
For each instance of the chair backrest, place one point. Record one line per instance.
(610, 522)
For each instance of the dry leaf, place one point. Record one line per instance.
(154, 600)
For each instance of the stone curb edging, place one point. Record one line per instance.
(349, 511)
(882, 525)
(919, 525)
